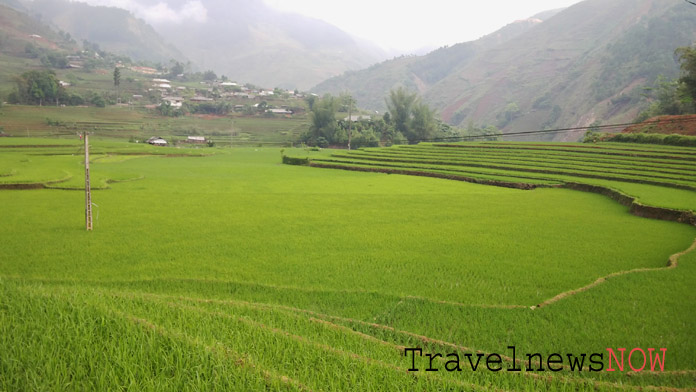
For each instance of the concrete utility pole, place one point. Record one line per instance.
(88, 191)
(350, 120)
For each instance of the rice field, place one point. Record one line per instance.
(223, 269)
(660, 176)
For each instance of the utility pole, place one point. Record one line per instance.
(88, 191)
(350, 119)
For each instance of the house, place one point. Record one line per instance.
(63, 84)
(195, 139)
(161, 81)
(201, 99)
(145, 70)
(358, 117)
(157, 141)
(175, 102)
(279, 111)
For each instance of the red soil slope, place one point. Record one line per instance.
(683, 125)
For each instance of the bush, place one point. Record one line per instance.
(652, 138)
(75, 100)
(295, 161)
(365, 139)
(591, 137)
(98, 101)
(399, 138)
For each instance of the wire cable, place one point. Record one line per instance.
(559, 130)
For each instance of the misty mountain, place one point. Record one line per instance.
(587, 63)
(250, 42)
(420, 73)
(23, 41)
(115, 30)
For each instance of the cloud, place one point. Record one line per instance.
(161, 12)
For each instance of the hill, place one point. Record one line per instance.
(418, 73)
(113, 29)
(681, 125)
(250, 42)
(586, 63)
(24, 42)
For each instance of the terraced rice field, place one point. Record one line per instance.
(231, 271)
(656, 175)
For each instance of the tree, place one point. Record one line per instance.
(311, 99)
(347, 103)
(423, 124)
(687, 59)
(177, 69)
(668, 98)
(400, 104)
(35, 87)
(117, 83)
(209, 76)
(323, 119)
(409, 116)
(98, 101)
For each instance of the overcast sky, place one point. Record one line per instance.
(393, 24)
(409, 25)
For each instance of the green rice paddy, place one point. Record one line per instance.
(223, 269)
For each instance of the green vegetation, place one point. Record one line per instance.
(124, 123)
(232, 272)
(35, 87)
(524, 165)
(687, 57)
(674, 96)
(217, 268)
(644, 138)
(584, 63)
(408, 119)
(109, 29)
(411, 117)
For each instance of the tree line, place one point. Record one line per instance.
(674, 96)
(43, 88)
(408, 120)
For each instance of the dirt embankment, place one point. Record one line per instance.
(682, 125)
(637, 208)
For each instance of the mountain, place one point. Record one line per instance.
(250, 42)
(22, 41)
(418, 73)
(587, 63)
(113, 29)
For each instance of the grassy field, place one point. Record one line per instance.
(222, 269)
(658, 176)
(123, 123)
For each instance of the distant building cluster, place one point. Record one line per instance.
(214, 91)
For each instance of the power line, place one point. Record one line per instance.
(559, 130)
(690, 2)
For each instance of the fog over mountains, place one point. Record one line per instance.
(242, 39)
(590, 62)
